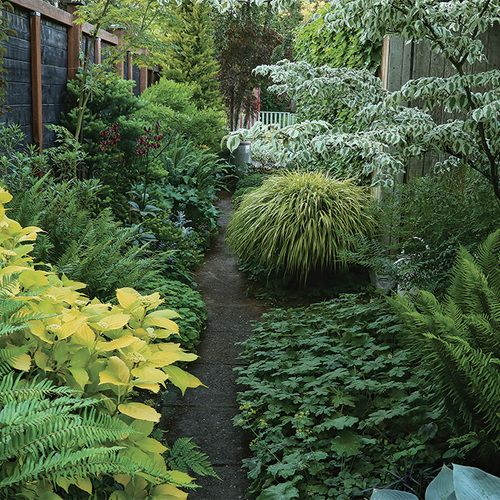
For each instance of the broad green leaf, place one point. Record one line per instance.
(441, 487)
(80, 375)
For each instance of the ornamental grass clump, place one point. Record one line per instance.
(299, 223)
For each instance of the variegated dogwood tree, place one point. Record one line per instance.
(392, 127)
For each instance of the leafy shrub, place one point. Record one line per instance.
(181, 247)
(190, 186)
(334, 405)
(189, 304)
(85, 245)
(428, 220)
(172, 105)
(104, 351)
(458, 341)
(50, 435)
(298, 223)
(319, 46)
(110, 157)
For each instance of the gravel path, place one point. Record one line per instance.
(206, 414)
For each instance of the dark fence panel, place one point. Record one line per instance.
(136, 76)
(18, 72)
(54, 74)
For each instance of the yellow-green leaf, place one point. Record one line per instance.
(116, 372)
(150, 445)
(80, 375)
(84, 484)
(182, 379)
(148, 374)
(118, 343)
(21, 362)
(168, 492)
(113, 322)
(5, 196)
(140, 411)
(127, 297)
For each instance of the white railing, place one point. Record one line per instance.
(281, 118)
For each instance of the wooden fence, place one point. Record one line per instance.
(43, 55)
(403, 61)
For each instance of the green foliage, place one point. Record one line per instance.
(190, 186)
(428, 219)
(111, 103)
(186, 457)
(103, 351)
(458, 342)
(51, 435)
(172, 104)
(245, 185)
(188, 303)
(393, 127)
(343, 48)
(460, 483)
(297, 224)
(191, 55)
(334, 404)
(85, 245)
(181, 247)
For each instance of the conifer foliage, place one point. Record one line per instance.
(191, 57)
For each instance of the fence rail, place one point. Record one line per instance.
(281, 118)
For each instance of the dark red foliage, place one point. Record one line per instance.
(150, 140)
(110, 137)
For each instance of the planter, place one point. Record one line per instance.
(242, 157)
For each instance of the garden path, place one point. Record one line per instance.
(206, 413)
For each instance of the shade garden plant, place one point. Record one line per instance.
(333, 403)
(299, 223)
(354, 396)
(101, 351)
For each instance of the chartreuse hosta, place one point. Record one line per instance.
(105, 351)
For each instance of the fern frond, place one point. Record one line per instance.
(458, 342)
(186, 456)
(488, 258)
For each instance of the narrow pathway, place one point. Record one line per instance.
(206, 414)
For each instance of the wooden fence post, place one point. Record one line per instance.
(74, 43)
(384, 62)
(98, 51)
(143, 79)
(36, 78)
